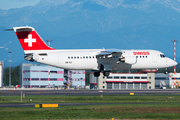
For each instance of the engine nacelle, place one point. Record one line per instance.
(31, 57)
(128, 59)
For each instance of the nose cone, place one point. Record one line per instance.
(175, 63)
(171, 62)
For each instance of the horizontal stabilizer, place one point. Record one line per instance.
(8, 29)
(26, 28)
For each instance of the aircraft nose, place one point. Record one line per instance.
(172, 62)
(175, 63)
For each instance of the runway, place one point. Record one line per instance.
(62, 104)
(90, 92)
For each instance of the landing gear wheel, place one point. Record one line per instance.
(165, 72)
(96, 74)
(106, 73)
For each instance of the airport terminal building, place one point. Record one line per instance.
(36, 76)
(123, 81)
(135, 81)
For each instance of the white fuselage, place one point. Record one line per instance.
(88, 59)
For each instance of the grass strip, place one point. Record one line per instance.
(90, 99)
(134, 111)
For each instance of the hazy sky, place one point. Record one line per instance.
(8, 4)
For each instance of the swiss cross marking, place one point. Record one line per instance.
(29, 40)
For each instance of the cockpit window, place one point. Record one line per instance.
(162, 56)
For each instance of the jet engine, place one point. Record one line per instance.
(31, 57)
(128, 59)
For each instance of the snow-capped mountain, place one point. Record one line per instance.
(122, 24)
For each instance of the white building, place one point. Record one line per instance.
(123, 81)
(1, 73)
(37, 76)
(135, 81)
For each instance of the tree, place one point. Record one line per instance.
(15, 74)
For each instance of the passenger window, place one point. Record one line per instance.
(87, 57)
(71, 57)
(136, 56)
(77, 57)
(83, 57)
(68, 57)
(90, 57)
(74, 57)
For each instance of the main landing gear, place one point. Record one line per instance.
(105, 73)
(96, 74)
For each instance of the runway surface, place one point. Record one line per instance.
(61, 104)
(90, 92)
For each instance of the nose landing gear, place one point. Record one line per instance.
(105, 73)
(166, 72)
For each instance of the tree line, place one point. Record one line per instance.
(15, 74)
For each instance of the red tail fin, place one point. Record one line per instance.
(29, 39)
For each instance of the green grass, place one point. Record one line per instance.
(90, 99)
(94, 112)
(149, 107)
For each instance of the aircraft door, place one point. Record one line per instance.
(60, 59)
(154, 58)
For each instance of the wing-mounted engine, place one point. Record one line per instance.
(128, 60)
(31, 57)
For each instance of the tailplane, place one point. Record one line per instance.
(30, 40)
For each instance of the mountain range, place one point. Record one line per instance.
(86, 24)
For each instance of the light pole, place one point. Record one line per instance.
(49, 85)
(10, 68)
(49, 41)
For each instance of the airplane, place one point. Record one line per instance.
(97, 60)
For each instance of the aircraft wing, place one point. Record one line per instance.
(109, 52)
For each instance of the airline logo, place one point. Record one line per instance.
(30, 40)
(141, 53)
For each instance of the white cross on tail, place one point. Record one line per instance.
(29, 40)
